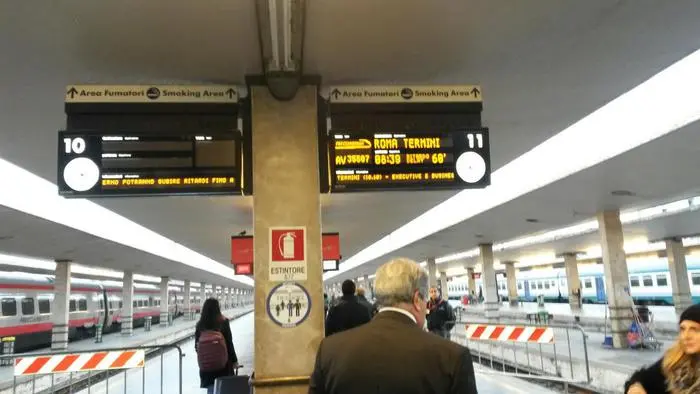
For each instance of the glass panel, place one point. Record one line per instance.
(9, 307)
(44, 306)
(27, 306)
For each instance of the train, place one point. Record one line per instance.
(26, 304)
(649, 283)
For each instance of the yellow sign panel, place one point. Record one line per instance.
(166, 182)
(151, 94)
(405, 94)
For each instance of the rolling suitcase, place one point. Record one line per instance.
(235, 384)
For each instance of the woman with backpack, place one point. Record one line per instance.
(212, 341)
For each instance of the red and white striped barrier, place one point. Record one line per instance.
(79, 362)
(503, 333)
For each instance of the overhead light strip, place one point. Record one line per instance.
(38, 197)
(609, 131)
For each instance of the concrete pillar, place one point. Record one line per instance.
(285, 152)
(471, 282)
(511, 282)
(488, 279)
(188, 294)
(616, 276)
(164, 281)
(59, 313)
(678, 271)
(202, 293)
(443, 285)
(573, 282)
(432, 273)
(127, 318)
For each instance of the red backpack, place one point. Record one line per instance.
(212, 353)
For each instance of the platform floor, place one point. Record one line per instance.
(158, 335)
(242, 330)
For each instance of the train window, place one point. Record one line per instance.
(27, 306)
(44, 306)
(587, 284)
(520, 285)
(532, 285)
(150, 301)
(9, 307)
(554, 283)
(634, 281)
(647, 281)
(696, 279)
(539, 284)
(546, 284)
(72, 306)
(562, 282)
(82, 304)
(121, 304)
(661, 280)
(135, 304)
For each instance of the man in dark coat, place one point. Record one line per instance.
(393, 353)
(347, 313)
(363, 300)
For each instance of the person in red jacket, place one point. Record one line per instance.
(678, 371)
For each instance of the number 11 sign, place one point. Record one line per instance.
(288, 254)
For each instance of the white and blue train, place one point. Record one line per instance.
(649, 283)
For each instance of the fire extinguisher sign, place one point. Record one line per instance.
(287, 254)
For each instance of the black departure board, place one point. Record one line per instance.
(409, 160)
(103, 164)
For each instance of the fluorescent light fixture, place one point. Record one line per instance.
(86, 216)
(601, 135)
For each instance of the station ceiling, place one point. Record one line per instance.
(542, 65)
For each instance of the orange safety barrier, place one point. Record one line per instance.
(506, 333)
(79, 362)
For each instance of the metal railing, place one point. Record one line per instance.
(528, 350)
(112, 369)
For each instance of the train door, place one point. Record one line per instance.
(526, 284)
(600, 289)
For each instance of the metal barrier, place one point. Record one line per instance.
(528, 350)
(68, 371)
(8, 349)
(147, 323)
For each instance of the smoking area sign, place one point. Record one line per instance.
(288, 304)
(288, 254)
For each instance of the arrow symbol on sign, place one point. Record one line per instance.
(335, 93)
(230, 93)
(475, 92)
(72, 92)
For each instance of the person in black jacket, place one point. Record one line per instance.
(347, 313)
(678, 371)
(392, 354)
(212, 319)
(441, 318)
(363, 300)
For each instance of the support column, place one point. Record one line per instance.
(616, 276)
(285, 152)
(59, 313)
(573, 282)
(367, 285)
(202, 294)
(432, 273)
(511, 282)
(188, 302)
(443, 286)
(488, 278)
(127, 317)
(471, 282)
(164, 282)
(678, 271)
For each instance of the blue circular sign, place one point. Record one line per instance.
(288, 304)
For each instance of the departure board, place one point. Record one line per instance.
(102, 164)
(410, 160)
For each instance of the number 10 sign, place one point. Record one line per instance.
(288, 254)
